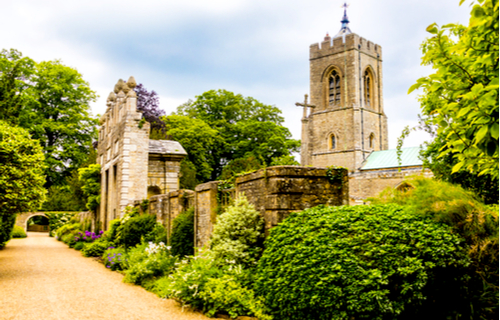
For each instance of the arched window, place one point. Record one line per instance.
(368, 88)
(372, 141)
(332, 142)
(334, 88)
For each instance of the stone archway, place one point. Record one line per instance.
(23, 218)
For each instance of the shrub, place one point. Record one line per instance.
(134, 229)
(238, 235)
(18, 232)
(157, 235)
(362, 262)
(57, 220)
(115, 258)
(469, 218)
(111, 234)
(182, 239)
(6, 225)
(187, 282)
(147, 261)
(94, 249)
(79, 246)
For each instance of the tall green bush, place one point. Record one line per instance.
(362, 262)
(469, 218)
(238, 233)
(182, 239)
(18, 232)
(134, 229)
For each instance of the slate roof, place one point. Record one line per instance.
(389, 159)
(166, 147)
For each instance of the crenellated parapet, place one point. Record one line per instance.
(340, 44)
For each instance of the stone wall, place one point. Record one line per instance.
(277, 191)
(168, 206)
(369, 183)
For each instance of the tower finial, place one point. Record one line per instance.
(344, 29)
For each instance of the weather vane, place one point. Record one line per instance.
(345, 6)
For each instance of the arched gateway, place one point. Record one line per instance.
(23, 218)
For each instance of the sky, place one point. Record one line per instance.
(256, 48)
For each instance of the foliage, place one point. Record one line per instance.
(115, 258)
(94, 249)
(18, 232)
(21, 171)
(237, 235)
(134, 229)
(62, 197)
(88, 236)
(336, 174)
(16, 73)
(112, 233)
(148, 260)
(286, 160)
(198, 139)
(485, 186)
(460, 100)
(188, 280)
(79, 245)
(182, 238)
(57, 220)
(244, 127)
(469, 218)
(226, 294)
(362, 262)
(149, 104)
(187, 175)
(6, 225)
(239, 167)
(91, 178)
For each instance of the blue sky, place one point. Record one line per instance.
(256, 48)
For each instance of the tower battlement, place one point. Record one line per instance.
(336, 45)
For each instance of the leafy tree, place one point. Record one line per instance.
(245, 127)
(21, 176)
(460, 100)
(198, 139)
(91, 178)
(485, 186)
(239, 166)
(15, 73)
(149, 104)
(51, 101)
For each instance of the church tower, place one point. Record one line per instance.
(345, 120)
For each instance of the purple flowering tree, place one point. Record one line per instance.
(148, 103)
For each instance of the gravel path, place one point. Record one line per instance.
(41, 278)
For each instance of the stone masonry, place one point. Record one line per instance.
(132, 166)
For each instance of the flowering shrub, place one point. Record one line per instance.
(94, 249)
(147, 261)
(87, 236)
(115, 258)
(238, 233)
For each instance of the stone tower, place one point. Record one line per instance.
(345, 120)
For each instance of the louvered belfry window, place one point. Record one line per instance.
(334, 88)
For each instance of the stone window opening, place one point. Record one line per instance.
(334, 88)
(332, 142)
(368, 88)
(371, 141)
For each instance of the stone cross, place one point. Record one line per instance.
(305, 105)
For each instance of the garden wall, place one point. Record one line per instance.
(274, 191)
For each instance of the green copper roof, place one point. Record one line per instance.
(389, 159)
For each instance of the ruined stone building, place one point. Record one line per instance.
(132, 166)
(345, 124)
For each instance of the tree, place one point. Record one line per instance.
(245, 126)
(198, 139)
(21, 176)
(460, 100)
(51, 101)
(485, 186)
(90, 177)
(149, 104)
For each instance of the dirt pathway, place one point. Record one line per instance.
(41, 278)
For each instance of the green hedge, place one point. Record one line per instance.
(182, 239)
(362, 262)
(18, 232)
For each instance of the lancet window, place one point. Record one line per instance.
(334, 88)
(368, 88)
